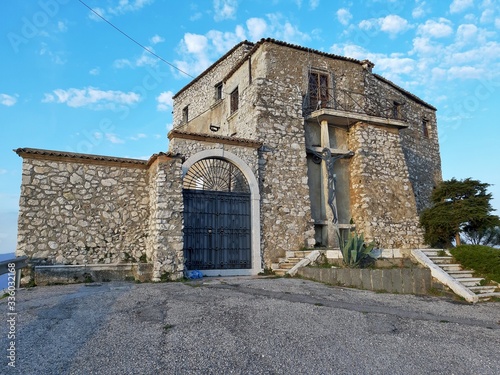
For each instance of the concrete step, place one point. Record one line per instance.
(441, 260)
(275, 266)
(450, 267)
(299, 253)
(483, 289)
(287, 266)
(294, 260)
(460, 274)
(433, 252)
(280, 272)
(470, 281)
(488, 296)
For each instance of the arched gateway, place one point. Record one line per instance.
(221, 226)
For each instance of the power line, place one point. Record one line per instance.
(135, 41)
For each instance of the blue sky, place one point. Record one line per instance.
(69, 81)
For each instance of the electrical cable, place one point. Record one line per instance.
(135, 41)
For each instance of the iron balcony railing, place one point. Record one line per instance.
(353, 102)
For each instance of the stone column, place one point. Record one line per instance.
(328, 233)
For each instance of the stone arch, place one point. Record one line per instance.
(254, 206)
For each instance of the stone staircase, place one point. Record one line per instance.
(464, 277)
(289, 261)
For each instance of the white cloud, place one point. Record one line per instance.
(95, 71)
(145, 59)
(465, 72)
(433, 29)
(8, 100)
(62, 27)
(196, 16)
(313, 4)
(394, 24)
(165, 101)
(122, 63)
(225, 9)
(391, 24)
(467, 33)
(487, 16)
(195, 43)
(55, 57)
(123, 6)
(92, 98)
(344, 16)
(392, 66)
(257, 28)
(198, 51)
(157, 39)
(113, 138)
(497, 23)
(458, 6)
(3, 171)
(138, 136)
(420, 10)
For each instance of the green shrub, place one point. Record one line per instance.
(482, 259)
(356, 252)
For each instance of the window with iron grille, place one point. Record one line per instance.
(234, 100)
(318, 90)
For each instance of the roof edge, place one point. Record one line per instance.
(36, 153)
(405, 92)
(199, 76)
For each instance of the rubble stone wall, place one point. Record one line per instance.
(78, 213)
(383, 203)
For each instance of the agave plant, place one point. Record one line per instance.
(356, 251)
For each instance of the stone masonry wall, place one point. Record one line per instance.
(286, 208)
(383, 204)
(421, 152)
(201, 94)
(165, 243)
(79, 213)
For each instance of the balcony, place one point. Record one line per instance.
(344, 108)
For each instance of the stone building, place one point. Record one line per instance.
(274, 148)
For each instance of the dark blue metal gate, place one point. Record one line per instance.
(217, 219)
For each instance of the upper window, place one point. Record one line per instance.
(396, 110)
(234, 100)
(318, 90)
(218, 91)
(185, 114)
(425, 128)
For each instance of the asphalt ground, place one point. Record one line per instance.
(244, 326)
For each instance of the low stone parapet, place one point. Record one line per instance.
(70, 274)
(393, 280)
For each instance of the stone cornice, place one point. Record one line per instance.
(213, 139)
